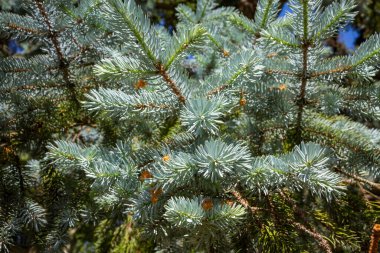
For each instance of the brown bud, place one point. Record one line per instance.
(140, 84)
(243, 102)
(282, 87)
(207, 204)
(229, 202)
(145, 175)
(154, 199)
(226, 53)
(7, 150)
(155, 193)
(166, 158)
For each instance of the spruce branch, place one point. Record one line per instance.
(171, 83)
(185, 41)
(359, 62)
(276, 36)
(243, 22)
(124, 106)
(183, 154)
(63, 62)
(203, 19)
(333, 16)
(121, 67)
(368, 50)
(138, 26)
(242, 64)
(244, 202)
(185, 13)
(357, 178)
(217, 44)
(339, 130)
(202, 7)
(203, 116)
(22, 24)
(266, 13)
(322, 242)
(304, 75)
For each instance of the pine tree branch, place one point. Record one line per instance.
(244, 202)
(194, 36)
(203, 13)
(333, 15)
(36, 87)
(172, 85)
(234, 75)
(24, 29)
(367, 195)
(301, 97)
(24, 24)
(322, 242)
(282, 72)
(218, 45)
(357, 178)
(367, 52)
(355, 137)
(217, 90)
(279, 40)
(244, 23)
(266, 14)
(184, 10)
(304, 76)
(117, 7)
(63, 63)
(331, 71)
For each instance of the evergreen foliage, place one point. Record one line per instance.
(261, 144)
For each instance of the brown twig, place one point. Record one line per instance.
(24, 29)
(357, 178)
(322, 242)
(244, 202)
(217, 90)
(331, 71)
(171, 83)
